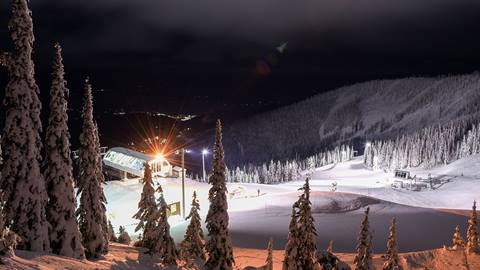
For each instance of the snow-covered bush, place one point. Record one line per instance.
(328, 261)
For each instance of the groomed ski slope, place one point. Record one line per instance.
(253, 219)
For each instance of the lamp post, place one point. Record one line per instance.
(183, 182)
(204, 153)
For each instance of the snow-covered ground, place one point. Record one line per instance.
(253, 219)
(122, 257)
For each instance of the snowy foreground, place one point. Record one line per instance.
(426, 219)
(123, 257)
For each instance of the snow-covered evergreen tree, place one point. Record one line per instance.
(91, 212)
(111, 233)
(363, 259)
(65, 238)
(219, 244)
(472, 232)
(147, 211)
(368, 258)
(392, 260)
(269, 260)
(306, 230)
(291, 248)
(165, 246)
(24, 194)
(301, 248)
(457, 239)
(101, 179)
(193, 245)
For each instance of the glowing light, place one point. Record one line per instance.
(159, 156)
(368, 144)
(205, 152)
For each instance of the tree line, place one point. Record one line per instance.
(431, 146)
(289, 170)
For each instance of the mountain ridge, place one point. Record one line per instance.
(377, 109)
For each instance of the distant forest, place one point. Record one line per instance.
(375, 110)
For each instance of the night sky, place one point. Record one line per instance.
(220, 57)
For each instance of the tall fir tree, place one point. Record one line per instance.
(472, 231)
(193, 245)
(147, 211)
(363, 259)
(65, 238)
(306, 228)
(103, 199)
(392, 260)
(457, 239)
(91, 212)
(165, 246)
(23, 191)
(219, 244)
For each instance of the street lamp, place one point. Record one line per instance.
(182, 152)
(204, 153)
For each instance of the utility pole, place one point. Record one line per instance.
(204, 153)
(183, 182)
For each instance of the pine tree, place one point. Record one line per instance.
(472, 231)
(147, 211)
(306, 228)
(269, 260)
(392, 260)
(192, 247)
(219, 245)
(165, 246)
(92, 211)
(368, 258)
(111, 233)
(457, 240)
(362, 260)
(23, 191)
(65, 238)
(101, 179)
(123, 236)
(290, 261)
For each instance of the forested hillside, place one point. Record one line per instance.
(379, 109)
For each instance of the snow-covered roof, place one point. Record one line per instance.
(132, 153)
(131, 161)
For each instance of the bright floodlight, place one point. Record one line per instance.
(367, 144)
(204, 152)
(159, 156)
